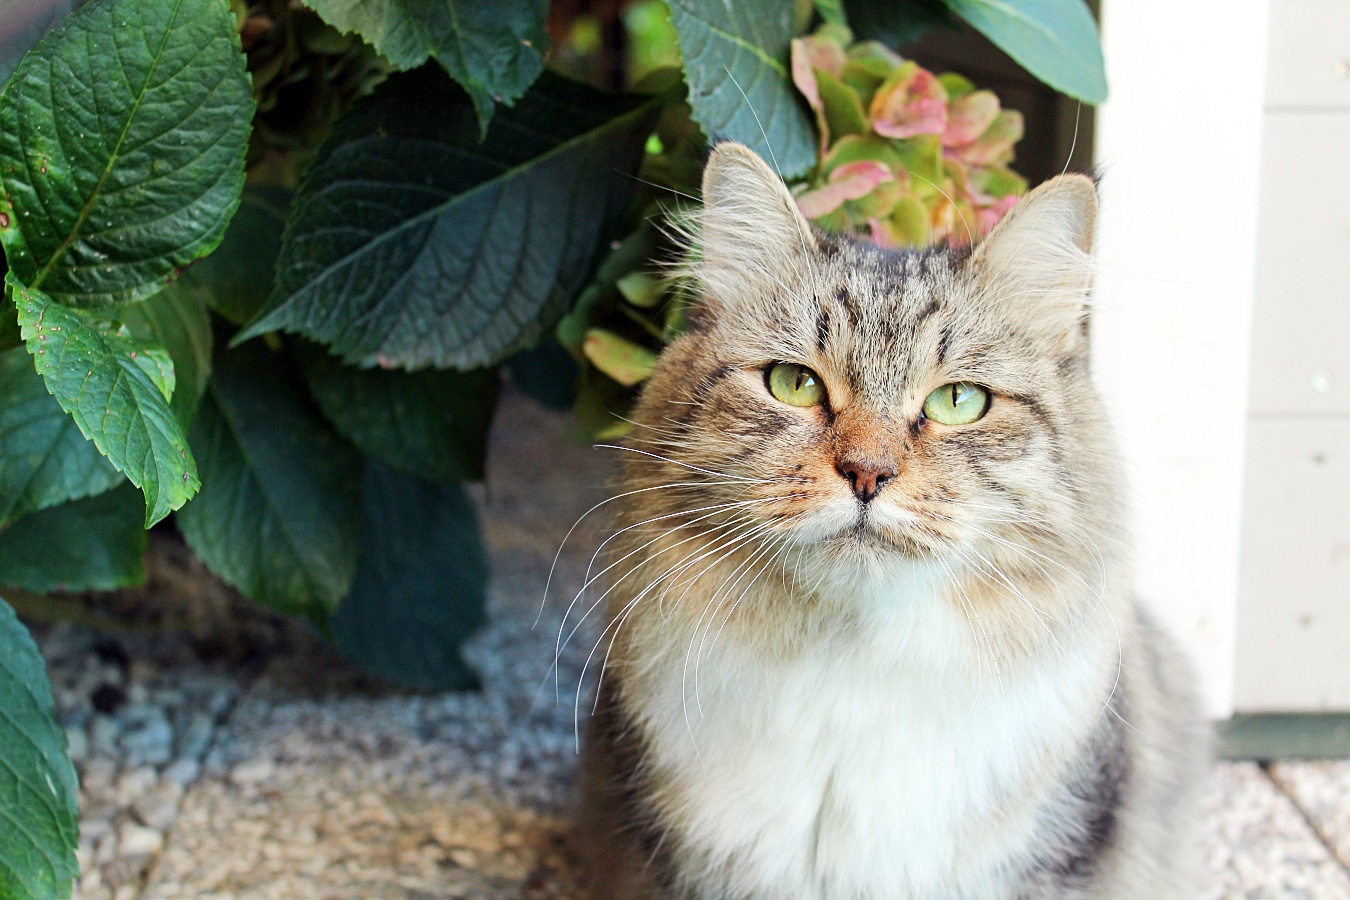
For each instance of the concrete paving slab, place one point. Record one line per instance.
(1260, 847)
(1322, 791)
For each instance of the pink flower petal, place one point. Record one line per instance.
(968, 117)
(912, 101)
(850, 181)
(802, 76)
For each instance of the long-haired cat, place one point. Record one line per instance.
(871, 633)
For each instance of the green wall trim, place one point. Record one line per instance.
(1285, 736)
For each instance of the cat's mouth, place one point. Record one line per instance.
(871, 533)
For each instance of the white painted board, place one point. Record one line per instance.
(1301, 326)
(1309, 54)
(1293, 641)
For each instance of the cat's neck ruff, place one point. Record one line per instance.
(875, 762)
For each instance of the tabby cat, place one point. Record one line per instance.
(871, 633)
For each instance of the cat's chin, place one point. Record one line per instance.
(869, 543)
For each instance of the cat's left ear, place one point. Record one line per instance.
(1037, 261)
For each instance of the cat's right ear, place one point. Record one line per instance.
(753, 238)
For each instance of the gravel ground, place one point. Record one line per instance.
(225, 753)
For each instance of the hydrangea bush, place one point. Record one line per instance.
(267, 262)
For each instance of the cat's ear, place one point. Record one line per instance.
(1038, 260)
(753, 237)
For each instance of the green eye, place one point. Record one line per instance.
(958, 403)
(796, 385)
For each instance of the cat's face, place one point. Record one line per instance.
(852, 412)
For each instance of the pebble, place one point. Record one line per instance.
(77, 743)
(138, 840)
(159, 807)
(152, 742)
(252, 772)
(183, 772)
(134, 784)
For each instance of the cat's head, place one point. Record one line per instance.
(849, 412)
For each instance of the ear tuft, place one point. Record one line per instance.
(1038, 257)
(752, 235)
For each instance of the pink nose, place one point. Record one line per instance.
(866, 479)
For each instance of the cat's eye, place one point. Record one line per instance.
(796, 385)
(958, 403)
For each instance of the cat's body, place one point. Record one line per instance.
(860, 655)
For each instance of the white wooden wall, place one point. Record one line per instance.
(1179, 143)
(1293, 637)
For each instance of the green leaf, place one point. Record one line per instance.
(37, 781)
(1054, 40)
(548, 373)
(410, 244)
(894, 23)
(831, 11)
(279, 508)
(421, 583)
(736, 59)
(239, 273)
(9, 316)
(433, 423)
(177, 319)
(44, 460)
(94, 544)
(494, 50)
(122, 139)
(117, 389)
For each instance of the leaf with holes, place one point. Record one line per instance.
(433, 424)
(44, 460)
(421, 582)
(117, 389)
(94, 544)
(1055, 40)
(279, 509)
(37, 781)
(410, 244)
(122, 139)
(736, 65)
(494, 50)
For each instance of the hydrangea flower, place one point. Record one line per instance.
(908, 158)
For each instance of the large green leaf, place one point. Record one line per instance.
(239, 273)
(94, 544)
(122, 139)
(410, 244)
(420, 585)
(278, 513)
(117, 389)
(177, 319)
(1055, 40)
(44, 460)
(433, 423)
(736, 65)
(494, 50)
(38, 825)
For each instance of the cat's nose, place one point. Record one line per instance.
(866, 479)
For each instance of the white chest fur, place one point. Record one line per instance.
(878, 765)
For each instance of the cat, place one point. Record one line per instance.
(870, 629)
